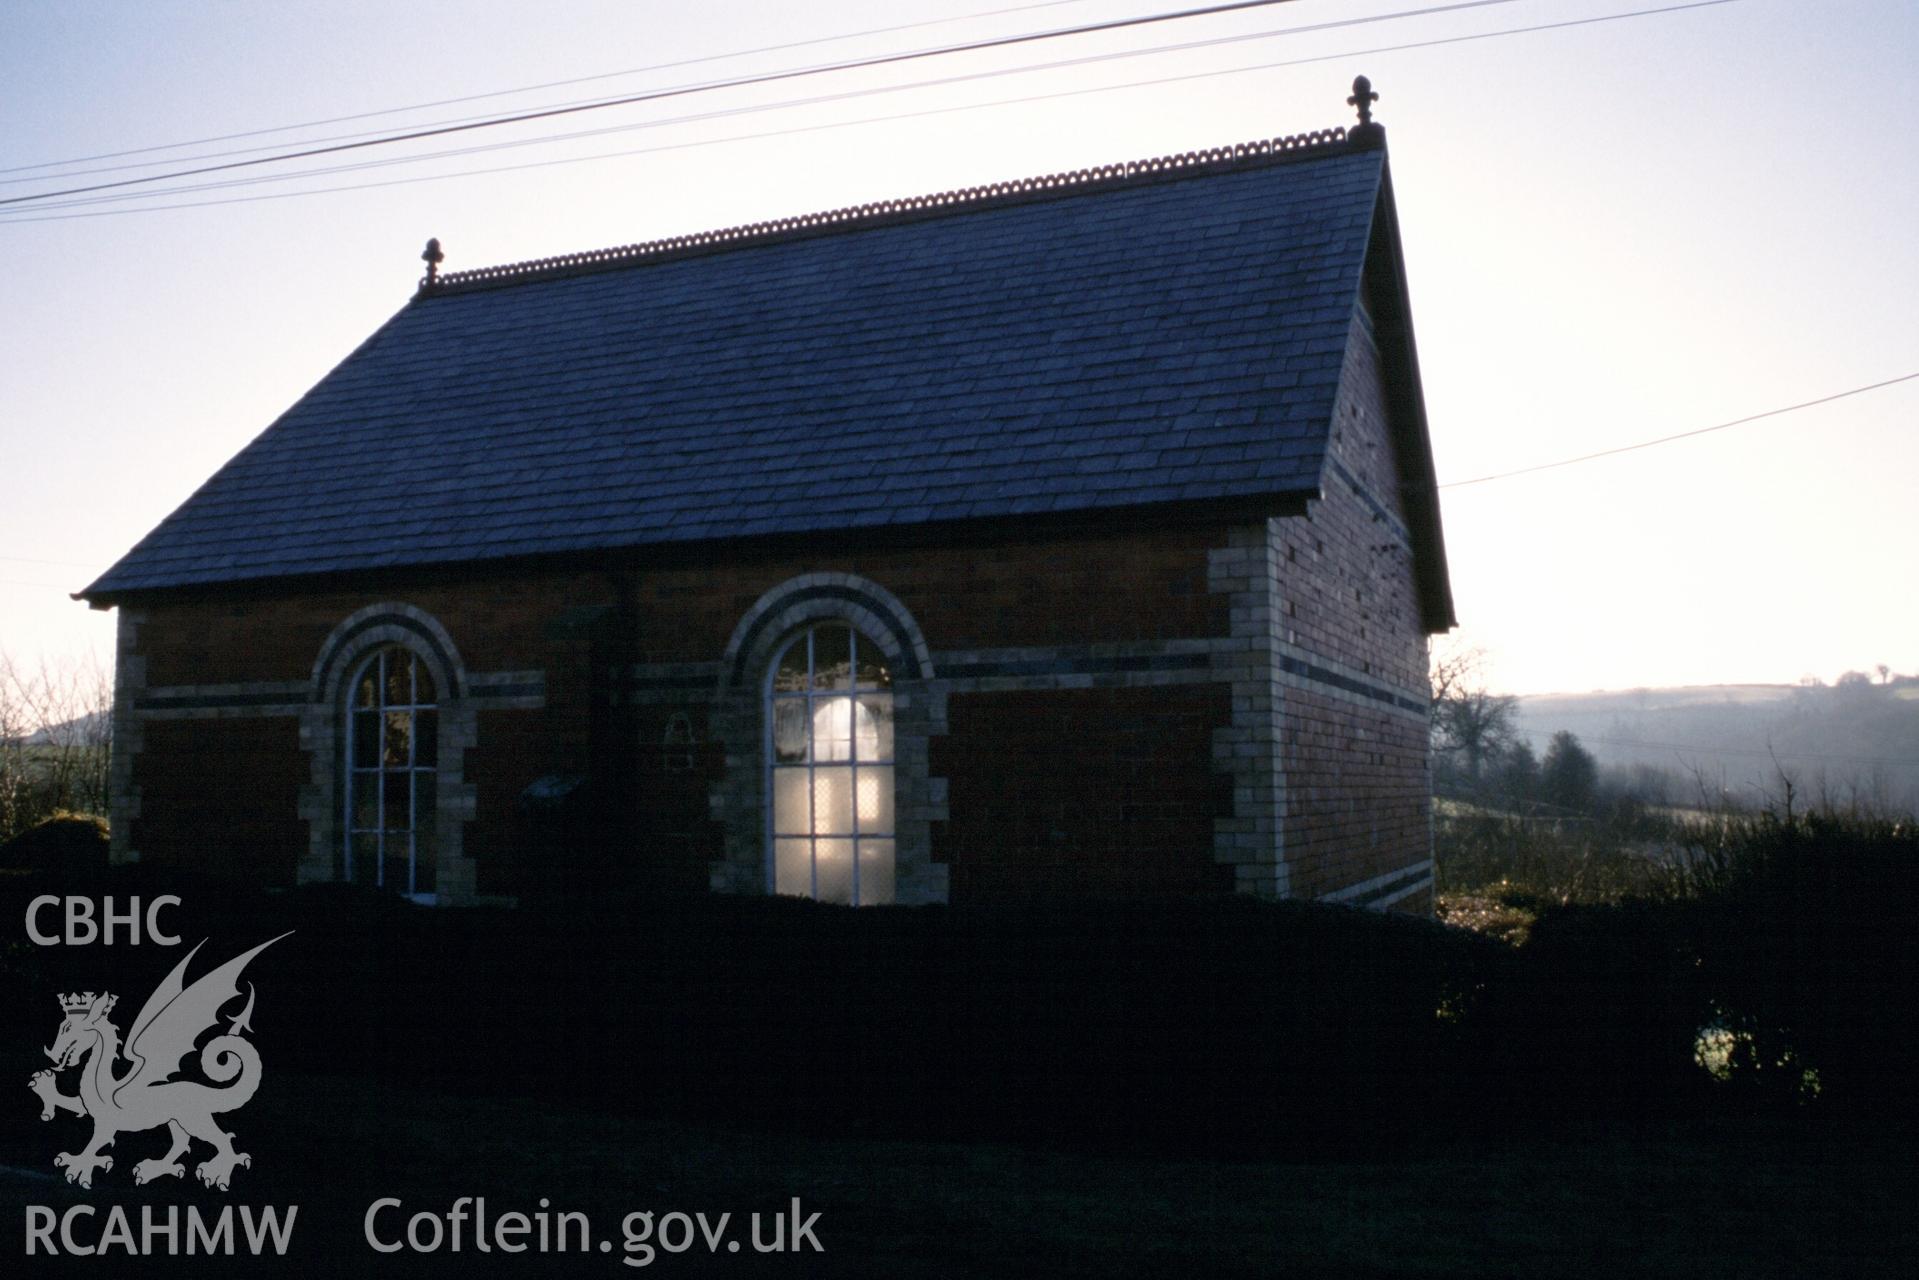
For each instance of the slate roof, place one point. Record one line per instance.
(1151, 333)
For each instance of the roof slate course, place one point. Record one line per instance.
(1171, 339)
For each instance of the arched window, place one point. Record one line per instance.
(392, 750)
(830, 760)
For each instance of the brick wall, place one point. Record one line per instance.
(1358, 798)
(1083, 790)
(1088, 588)
(1354, 735)
(227, 804)
(207, 665)
(1186, 708)
(513, 751)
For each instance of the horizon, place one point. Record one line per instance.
(1717, 684)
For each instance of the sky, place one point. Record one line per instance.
(1614, 231)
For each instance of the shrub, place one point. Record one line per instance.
(1546, 858)
(1769, 967)
(65, 842)
(1219, 1025)
(1803, 935)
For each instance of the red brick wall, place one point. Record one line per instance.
(1358, 796)
(669, 807)
(1083, 790)
(1066, 589)
(1358, 786)
(1347, 577)
(221, 797)
(497, 624)
(513, 751)
(1061, 590)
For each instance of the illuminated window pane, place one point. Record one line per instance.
(793, 867)
(875, 726)
(832, 802)
(833, 870)
(789, 730)
(792, 802)
(875, 795)
(833, 729)
(876, 872)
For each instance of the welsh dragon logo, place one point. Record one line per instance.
(147, 1096)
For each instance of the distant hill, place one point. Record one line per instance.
(1847, 741)
(84, 728)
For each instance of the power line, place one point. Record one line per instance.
(479, 97)
(837, 124)
(751, 109)
(912, 115)
(1684, 435)
(877, 60)
(597, 102)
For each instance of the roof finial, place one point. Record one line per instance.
(1363, 98)
(1365, 132)
(433, 258)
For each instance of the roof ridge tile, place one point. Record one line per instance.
(849, 217)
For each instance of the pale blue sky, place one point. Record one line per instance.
(1614, 232)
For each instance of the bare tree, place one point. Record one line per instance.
(1471, 725)
(14, 730)
(56, 732)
